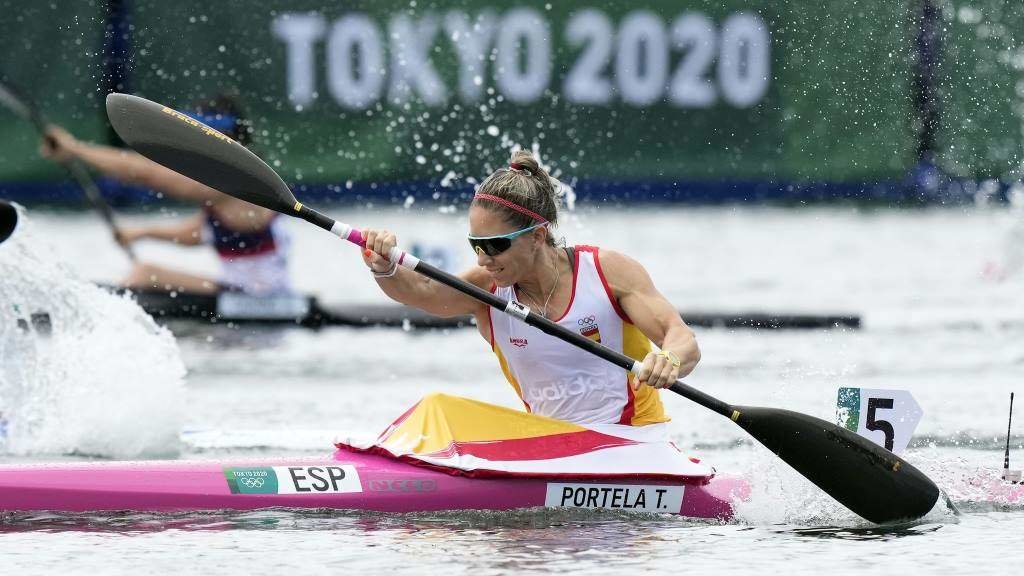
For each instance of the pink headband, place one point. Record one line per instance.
(511, 205)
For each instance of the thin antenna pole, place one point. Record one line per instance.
(1006, 456)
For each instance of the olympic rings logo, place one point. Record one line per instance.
(252, 482)
(586, 320)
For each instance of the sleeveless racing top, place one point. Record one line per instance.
(253, 262)
(558, 380)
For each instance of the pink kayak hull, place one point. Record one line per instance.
(345, 480)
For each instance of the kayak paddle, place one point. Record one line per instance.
(869, 480)
(15, 101)
(8, 220)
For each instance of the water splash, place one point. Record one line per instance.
(96, 377)
(972, 486)
(780, 495)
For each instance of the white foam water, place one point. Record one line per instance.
(82, 370)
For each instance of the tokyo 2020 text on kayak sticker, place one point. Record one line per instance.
(616, 497)
(293, 479)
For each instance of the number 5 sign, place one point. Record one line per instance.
(886, 417)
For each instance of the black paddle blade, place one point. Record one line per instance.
(8, 220)
(866, 478)
(193, 149)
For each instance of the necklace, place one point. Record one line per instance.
(544, 309)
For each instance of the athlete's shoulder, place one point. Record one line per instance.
(622, 272)
(477, 276)
(614, 262)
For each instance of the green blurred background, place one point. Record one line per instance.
(659, 100)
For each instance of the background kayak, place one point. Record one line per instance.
(307, 311)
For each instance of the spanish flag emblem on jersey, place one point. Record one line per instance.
(466, 437)
(592, 332)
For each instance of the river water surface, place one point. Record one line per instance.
(932, 324)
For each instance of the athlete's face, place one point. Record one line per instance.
(507, 267)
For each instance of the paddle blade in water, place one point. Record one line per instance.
(193, 149)
(866, 478)
(8, 220)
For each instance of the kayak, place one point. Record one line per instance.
(305, 310)
(284, 309)
(346, 480)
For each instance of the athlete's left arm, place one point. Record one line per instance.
(655, 316)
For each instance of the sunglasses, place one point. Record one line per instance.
(494, 245)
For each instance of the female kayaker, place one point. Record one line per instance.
(602, 294)
(249, 240)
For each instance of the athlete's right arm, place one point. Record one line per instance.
(187, 232)
(126, 166)
(414, 289)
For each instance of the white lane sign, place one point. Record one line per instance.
(886, 417)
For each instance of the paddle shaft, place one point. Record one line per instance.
(23, 107)
(511, 308)
(92, 192)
